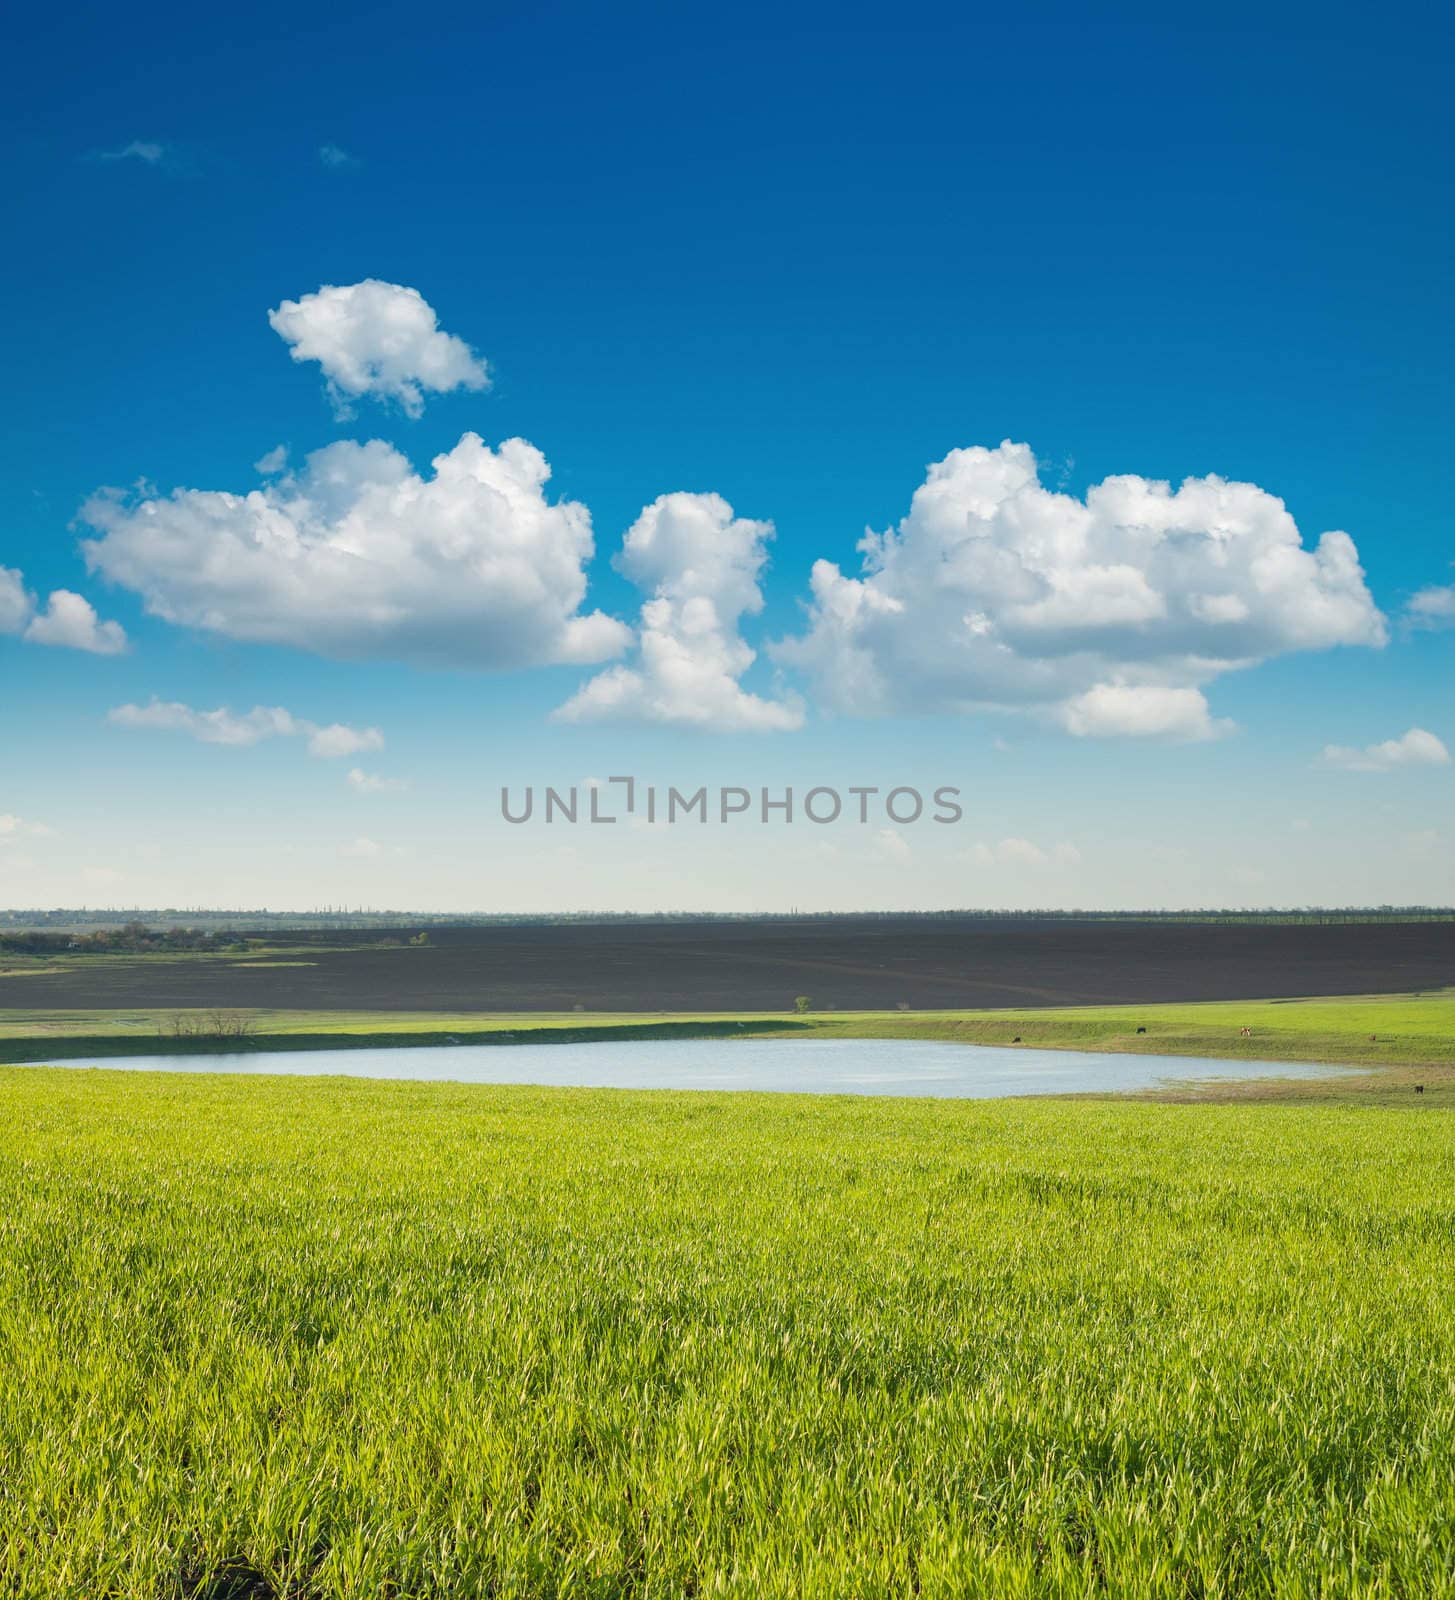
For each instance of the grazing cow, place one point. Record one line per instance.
(1419, 1088)
(1245, 1033)
(1141, 1030)
(1016, 1040)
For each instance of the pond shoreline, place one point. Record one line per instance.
(905, 1068)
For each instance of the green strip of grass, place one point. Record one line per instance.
(339, 1338)
(74, 1046)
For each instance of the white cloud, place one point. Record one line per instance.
(16, 604)
(68, 620)
(1106, 615)
(371, 783)
(1433, 607)
(360, 557)
(891, 845)
(1417, 748)
(1024, 853)
(271, 461)
(337, 739)
(211, 727)
(334, 157)
(148, 151)
(700, 564)
(377, 339)
(222, 726)
(13, 828)
(1112, 710)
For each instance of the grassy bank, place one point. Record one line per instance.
(332, 1338)
(1401, 1039)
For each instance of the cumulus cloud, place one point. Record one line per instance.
(1417, 748)
(68, 620)
(271, 462)
(222, 726)
(1107, 614)
(377, 339)
(334, 156)
(360, 557)
(1110, 710)
(700, 565)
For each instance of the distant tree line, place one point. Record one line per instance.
(104, 931)
(130, 938)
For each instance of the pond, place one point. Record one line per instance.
(798, 1066)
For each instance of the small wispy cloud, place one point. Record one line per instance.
(338, 739)
(1024, 853)
(891, 845)
(222, 726)
(335, 157)
(1432, 608)
(1417, 748)
(371, 783)
(13, 828)
(150, 152)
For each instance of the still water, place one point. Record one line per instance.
(792, 1066)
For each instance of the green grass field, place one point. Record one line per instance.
(326, 1338)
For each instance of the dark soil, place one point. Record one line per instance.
(844, 963)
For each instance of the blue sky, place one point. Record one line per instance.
(788, 257)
